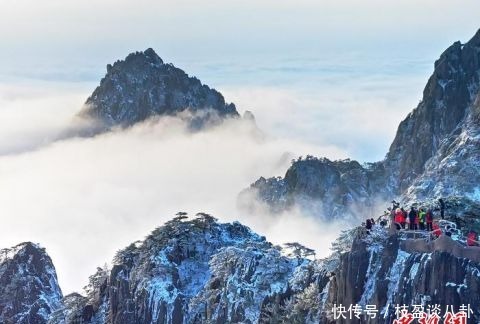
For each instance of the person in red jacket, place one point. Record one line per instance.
(472, 239)
(405, 216)
(436, 230)
(399, 220)
(429, 220)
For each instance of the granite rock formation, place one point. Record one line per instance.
(142, 86)
(187, 271)
(29, 290)
(203, 271)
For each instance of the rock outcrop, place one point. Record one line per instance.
(197, 271)
(435, 152)
(29, 290)
(442, 123)
(391, 271)
(142, 86)
(326, 189)
(202, 271)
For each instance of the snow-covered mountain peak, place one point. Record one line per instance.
(142, 86)
(190, 271)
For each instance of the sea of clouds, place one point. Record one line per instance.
(85, 198)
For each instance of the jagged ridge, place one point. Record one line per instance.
(188, 271)
(202, 271)
(327, 189)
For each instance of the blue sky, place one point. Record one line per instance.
(327, 60)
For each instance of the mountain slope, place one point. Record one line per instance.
(202, 271)
(441, 115)
(29, 290)
(143, 86)
(435, 154)
(323, 188)
(389, 270)
(196, 271)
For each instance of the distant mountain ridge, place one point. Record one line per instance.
(142, 86)
(435, 153)
(333, 189)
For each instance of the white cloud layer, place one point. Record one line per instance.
(32, 114)
(83, 199)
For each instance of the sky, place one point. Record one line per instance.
(328, 78)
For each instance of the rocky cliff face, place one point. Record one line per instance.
(29, 290)
(326, 189)
(390, 270)
(196, 271)
(202, 271)
(143, 86)
(435, 153)
(442, 117)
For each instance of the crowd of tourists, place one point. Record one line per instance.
(419, 219)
